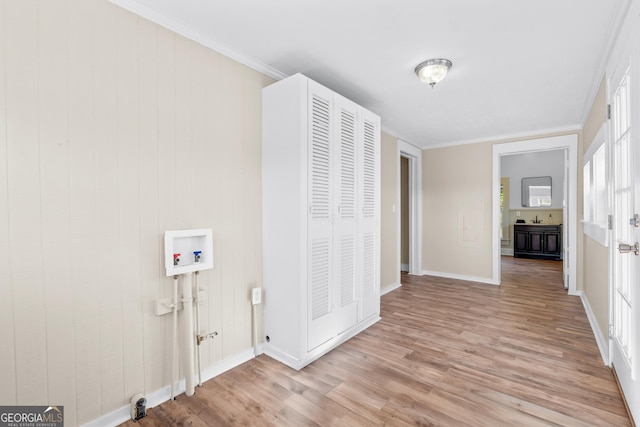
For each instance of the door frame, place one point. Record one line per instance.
(627, 54)
(567, 142)
(414, 155)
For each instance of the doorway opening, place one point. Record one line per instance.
(568, 145)
(404, 215)
(409, 235)
(531, 204)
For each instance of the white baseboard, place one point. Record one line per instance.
(297, 363)
(162, 395)
(404, 267)
(259, 349)
(601, 340)
(506, 251)
(389, 288)
(460, 277)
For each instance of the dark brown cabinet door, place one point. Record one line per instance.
(551, 243)
(520, 241)
(535, 242)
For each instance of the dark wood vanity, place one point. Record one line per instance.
(539, 241)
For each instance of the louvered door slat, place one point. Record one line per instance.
(320, 159)
(369, 170)
(347, 164)
(368, 265)
(347, 271)
(319, 278)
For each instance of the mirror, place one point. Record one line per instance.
(536, 192)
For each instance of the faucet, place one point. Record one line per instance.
(537, 221)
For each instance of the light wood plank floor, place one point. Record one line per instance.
(446, 353)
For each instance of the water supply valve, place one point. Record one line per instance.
(200, 338)
(187, 251)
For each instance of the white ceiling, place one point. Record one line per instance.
(519, 67)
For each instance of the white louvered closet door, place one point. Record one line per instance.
(320, 169)
(320, 210)
(369, 208)
(345, 225)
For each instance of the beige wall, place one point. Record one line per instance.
(595, 268)
(113, 130)
(389, 268)
(595, 261)
(456, 189)
(597, 116)
(457, 209)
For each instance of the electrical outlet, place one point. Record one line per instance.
(256, 296)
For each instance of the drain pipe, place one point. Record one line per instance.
(174, 357)
(188, 334)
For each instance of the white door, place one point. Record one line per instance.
(625, 292)
(345, 227)
(320, 240)
(369, 214)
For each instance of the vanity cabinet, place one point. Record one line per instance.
(321, 219)
(537, 241)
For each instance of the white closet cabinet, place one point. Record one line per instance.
(321, 219)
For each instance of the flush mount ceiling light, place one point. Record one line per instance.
(432, 71)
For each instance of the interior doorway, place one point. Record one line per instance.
(412, 156)
(568, 144)
(532, 204)
(404, 215)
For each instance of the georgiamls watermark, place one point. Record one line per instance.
(31, 416)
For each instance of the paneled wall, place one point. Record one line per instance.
(113, 130)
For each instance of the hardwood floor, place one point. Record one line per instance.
(446, 352)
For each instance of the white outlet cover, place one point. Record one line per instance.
(256, 296)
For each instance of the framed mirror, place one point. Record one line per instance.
(536, 192)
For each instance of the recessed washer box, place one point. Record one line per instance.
(186, 251)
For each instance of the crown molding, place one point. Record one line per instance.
(615, 27)
(197, 36)
(534, 133)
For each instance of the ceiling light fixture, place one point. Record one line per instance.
(432, 71)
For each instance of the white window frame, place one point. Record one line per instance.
(597, 156)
